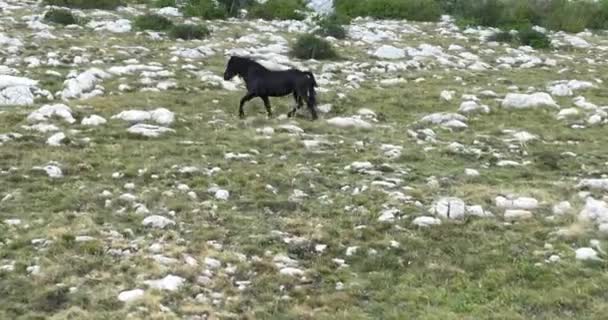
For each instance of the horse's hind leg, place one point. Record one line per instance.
(310, 103)
(267, 105)
(246, 98)
(299, 103)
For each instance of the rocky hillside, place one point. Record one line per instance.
(449, 177)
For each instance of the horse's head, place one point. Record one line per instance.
(233, 68)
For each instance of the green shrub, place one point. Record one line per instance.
(309, 46)
(233, 7)
(566, 15)
(278, 10)
(571, 16)
(205, 9)
(189, 31)
(599, 19)
(60, 16)
(533, 38)
(502, 36)
(152, 22)
(332, 26)
(164, 3)
(415, 10)
(86, 4)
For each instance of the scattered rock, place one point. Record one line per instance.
(527, 101)
(349, 122)
(450, 208)
(46, 112)
(516, 214)
(131, 295)
(389, 52)
(56, 139)
(93, 120)
(169, 283)
(148, 130)
(156, 221)
(587, 254)
(426, 221)
(598, 184)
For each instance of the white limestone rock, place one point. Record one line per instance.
(526, 101)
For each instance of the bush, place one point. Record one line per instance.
(189, 31)
(233, 7)
(311, 47)
(152, 22)
(415, 10)
(278, 10)
(566, 15)
(164, 3)
(571, 16)
(331, 26)
(502, 36)
(86, 4)
(533, 38)
(60, 16)
(206, 9)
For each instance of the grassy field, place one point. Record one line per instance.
(299, 235)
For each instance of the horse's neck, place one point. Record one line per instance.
(253, 68)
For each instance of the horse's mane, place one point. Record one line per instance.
(249, 62)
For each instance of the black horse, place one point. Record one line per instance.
(264, 83)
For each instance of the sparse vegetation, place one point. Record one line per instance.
(571, 16)
(164, 3)
(205, 9)
(502, 36)
(60, 16)
(278, 10)
(309, 46)
(86, 4)
(415, 10)
(332, 25)
(526, 36)
(152, 22)
(533, 38)
(189, 31)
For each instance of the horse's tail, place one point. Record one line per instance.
(312, 77)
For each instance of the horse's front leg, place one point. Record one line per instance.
(267, 105)
(246, 98)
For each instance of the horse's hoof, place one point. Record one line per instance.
(290, 114)
(242, 115)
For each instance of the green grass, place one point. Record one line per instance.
(474, 269)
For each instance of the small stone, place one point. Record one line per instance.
(156, 221)
(212, 263)
(289, 271)
(450, 208)
(222, 194)
(426, 221)
(471, 172)
(131, 295)
(585, 254)
(516, 214)
(169, 283)
(562, 208)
